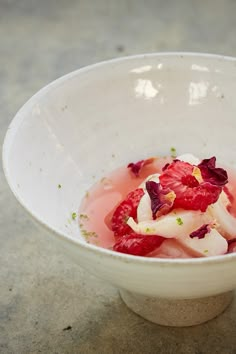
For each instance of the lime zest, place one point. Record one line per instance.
(179, 221)
(73, 216)
(83, 217)
(88, 234)
(173, 152)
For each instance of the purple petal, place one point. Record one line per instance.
(136, 167)
(212, 174)
(201, 232)
(153, 190)
(159, 199)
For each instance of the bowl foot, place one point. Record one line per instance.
(177, 313)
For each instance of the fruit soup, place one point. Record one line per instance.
(163, 207)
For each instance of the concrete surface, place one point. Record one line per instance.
(47, 304)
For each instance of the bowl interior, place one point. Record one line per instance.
(131, 108)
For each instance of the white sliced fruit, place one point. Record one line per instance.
(226, 222)
(171, 248)
(154, 177)
(173, 225)
(144, 211)
(213, 244)
(193, 160)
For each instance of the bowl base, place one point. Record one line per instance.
(177, 313)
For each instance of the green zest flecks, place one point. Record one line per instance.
(105, 181)
(59, 186)
(83, 217)
(88, 234)
(73, 216)
(149, 230)
(173, 152)
(179, 221)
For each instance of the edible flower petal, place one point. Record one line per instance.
(159, 197)
(212, 244)
(137, 166)
(211, 173)
(201, 232)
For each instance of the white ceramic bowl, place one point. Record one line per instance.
(132, 107)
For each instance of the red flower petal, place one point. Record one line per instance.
(153, 190)
(137, 166)
(211, 173)
(201, 232)
(158, 197)
(138, 245)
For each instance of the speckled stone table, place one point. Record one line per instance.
(48, 304)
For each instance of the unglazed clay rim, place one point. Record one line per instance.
(18, 119)
(175, 315)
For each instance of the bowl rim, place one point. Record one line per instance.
(100, 251)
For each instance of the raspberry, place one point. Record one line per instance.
(190, 194)
(232, 245)
(137, 245)
(230, 196)
(127, 208)
(190, 181)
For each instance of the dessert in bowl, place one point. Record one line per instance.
(86, 124)
(172, 207)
